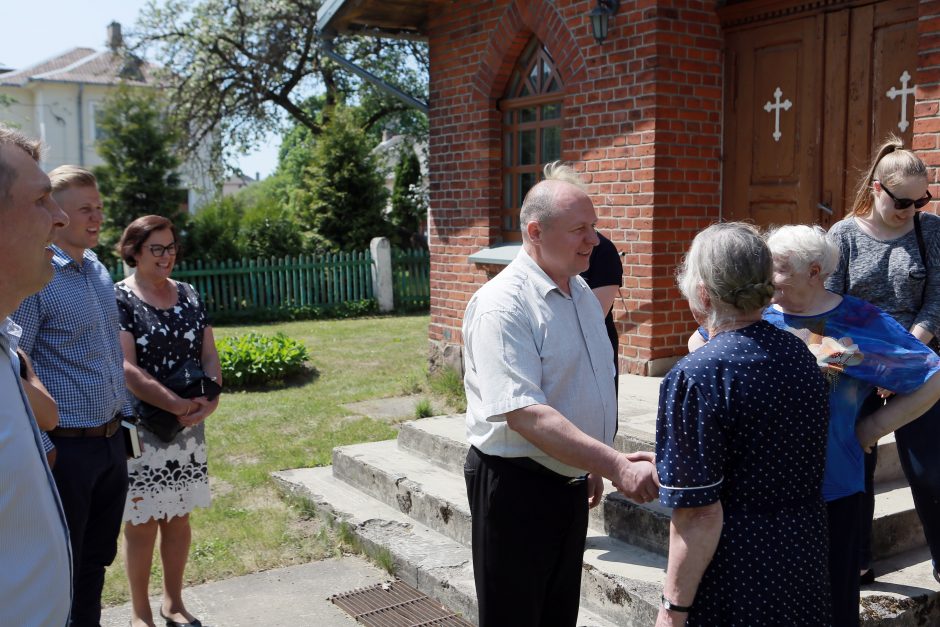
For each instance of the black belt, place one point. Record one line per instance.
(102, 431)
(529, 464)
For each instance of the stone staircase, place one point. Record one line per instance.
(406, 499)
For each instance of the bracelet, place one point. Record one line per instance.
(672, 607)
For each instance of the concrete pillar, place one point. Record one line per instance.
(382, 273)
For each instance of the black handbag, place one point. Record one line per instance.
(934, 343)
(187, 381)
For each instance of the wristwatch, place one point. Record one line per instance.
(672, 607)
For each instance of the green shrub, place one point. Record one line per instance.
(348, 309)
(254, 359)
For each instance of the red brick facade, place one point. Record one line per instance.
(643, 122)
(927, 97)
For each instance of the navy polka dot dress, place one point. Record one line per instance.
(744, 420)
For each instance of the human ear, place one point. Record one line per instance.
(534, 230)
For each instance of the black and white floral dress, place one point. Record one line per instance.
(170, 478)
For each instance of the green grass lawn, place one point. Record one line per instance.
(249, 527)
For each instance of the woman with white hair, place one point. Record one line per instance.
(748, 531)
(859, 348)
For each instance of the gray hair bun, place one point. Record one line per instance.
(751, 296)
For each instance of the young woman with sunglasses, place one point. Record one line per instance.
(881, 262)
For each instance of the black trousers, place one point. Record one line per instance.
(91, 475)
(844, 542)
(528, 534)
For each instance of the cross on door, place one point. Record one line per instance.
(903, 93)
(785, 105)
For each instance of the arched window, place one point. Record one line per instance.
(532, 123)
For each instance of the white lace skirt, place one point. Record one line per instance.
(170, 478)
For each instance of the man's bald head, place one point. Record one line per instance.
(561, 183)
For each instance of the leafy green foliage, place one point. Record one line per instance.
(238, 68)
(139, 175)
(339, 311)
(250, 224)
(254, 359)
(409, 204)
(213, 233)
(342, 195)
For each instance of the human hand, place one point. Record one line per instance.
(642, 456)
(867, 433)
(192, 408)
(637, 480)
(205, 407)
(665, 618)
(884, 393)
(595, 485)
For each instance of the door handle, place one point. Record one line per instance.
(825, 207)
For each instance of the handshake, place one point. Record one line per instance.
(636, 476)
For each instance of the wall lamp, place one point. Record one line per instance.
(600, 18)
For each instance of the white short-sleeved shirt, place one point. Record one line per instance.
(528, 343)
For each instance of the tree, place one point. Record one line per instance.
(139, 176)
(342, 197)
(409, 205)
(236, 67)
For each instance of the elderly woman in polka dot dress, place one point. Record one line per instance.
(740, 448)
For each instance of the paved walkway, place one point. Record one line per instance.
(296, 596)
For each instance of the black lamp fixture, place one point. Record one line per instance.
(600, 18)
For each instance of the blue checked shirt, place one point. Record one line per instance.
(70, 330)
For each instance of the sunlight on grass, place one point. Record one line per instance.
(249, 527)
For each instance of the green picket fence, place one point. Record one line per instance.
(324, 281)
(411, 272)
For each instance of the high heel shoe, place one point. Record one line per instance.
(172, 623)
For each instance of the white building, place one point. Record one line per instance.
(58, 101)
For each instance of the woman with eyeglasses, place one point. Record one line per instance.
(890, 257)
(163, 326)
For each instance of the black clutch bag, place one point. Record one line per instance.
(188, 381)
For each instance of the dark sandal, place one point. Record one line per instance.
(172, 623)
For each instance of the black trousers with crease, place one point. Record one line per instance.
(528, 534)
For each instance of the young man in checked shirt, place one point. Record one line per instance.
(70, 331)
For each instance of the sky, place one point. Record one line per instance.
(34, 30)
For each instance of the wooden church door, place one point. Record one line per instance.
(806, 100)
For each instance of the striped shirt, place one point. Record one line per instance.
(35, 557)
(70, 330)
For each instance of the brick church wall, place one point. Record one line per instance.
(642, 124)
(927, 95)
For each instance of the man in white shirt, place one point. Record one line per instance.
(35, 563)
(541, 415)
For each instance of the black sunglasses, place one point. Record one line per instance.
(903, 203)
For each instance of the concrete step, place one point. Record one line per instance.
(440, 442)
(895, 528)
(621, 581)
(904, 592)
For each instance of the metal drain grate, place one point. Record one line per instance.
(395, 604)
